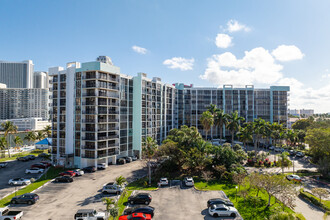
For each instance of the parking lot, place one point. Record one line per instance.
(182, 203)
(15, 169)
(60, 201)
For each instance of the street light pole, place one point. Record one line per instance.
(236, 192)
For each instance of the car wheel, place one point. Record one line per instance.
(29, 202)
(11, 184)
(233, 215)
(215, 215)
(131, 202)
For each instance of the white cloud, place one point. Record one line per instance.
(233, 26)
(287, 53)
(325, 76)
(223, 41)
(139, 50)
(179, 63)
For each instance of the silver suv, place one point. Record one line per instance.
(112, 188)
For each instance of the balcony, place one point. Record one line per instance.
(101, 147)
(89, 129)
(113, 136)
(88, 147)
(102, 120)
(113, 120)
(113, 145)
(113, 112)
(89, 120)
(87, 156)
(101, 155)
(89, 103)
(89, 138)
(89, 94)
(89, 112)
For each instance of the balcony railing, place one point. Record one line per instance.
(113, 120)
(89, 120)
(89, 112)
(89, 138)
(87, 156)
(101, 155)
(88, 147)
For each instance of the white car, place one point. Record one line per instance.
(163, 182)
(34, 170)
(89, 214)
(101, 166)
(108, 188)
(19, 181)
(222, 210)
(79, 172)
(294, 177)
(188, 181)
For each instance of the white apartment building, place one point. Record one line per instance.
(29, 124)
(17, 74)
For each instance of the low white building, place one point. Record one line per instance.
(29, 124)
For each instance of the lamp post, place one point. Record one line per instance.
(236, 192)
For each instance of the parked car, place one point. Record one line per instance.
(277, 149)
(101, 166)
(68, 173)
(163, 182)
(222, 210)
(79, 172)
(188, 181)
(134, 158)
(31, 157)
(5, 214)
(140, 209)
(271, 148)
(292, 152)
(128, 159)
(24, 159)
(46, 163)
(140, 198)
(215, 201)
(89, 214)
(137, 216)
(64, 179)
(121, 161)
(3, 164)
(114, 188)
(38, 165)
(300, 154)
(34, 170)
(90, 169)
(27, 198)
(19, 181)
(293, 177)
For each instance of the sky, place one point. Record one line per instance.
(205, 43)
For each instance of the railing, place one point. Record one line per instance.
(89, 129)
(102, 120)
(101, 147)
(89, 94)
(89, 120)
(87, 156)
(88, 148)
(113, 112)
(88, 103)
(89, 112)
(89, 138)
(101, 155)
(113, 120)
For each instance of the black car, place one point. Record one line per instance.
(90, 169)
(140, 198)
(23, 159)
(31, 157)
(64, 179)
(121, 161)
(140, 209)
(219, 201)
(27, 198)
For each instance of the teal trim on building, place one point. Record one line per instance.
(137, 113)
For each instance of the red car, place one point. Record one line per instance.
(39, 165)
(68, 173)
(47, 164)
(135, 216)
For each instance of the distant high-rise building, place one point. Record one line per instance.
(301, 112)
(17, 74)
(40, 80)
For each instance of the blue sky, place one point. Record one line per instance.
(52, 33)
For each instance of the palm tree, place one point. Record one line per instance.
(120, 180)
(284, 160)
(3, 143)
(221, 119)
(245, 134)
(149, 149)
(17, 141)
(109, 202)
(40, 135)
(234, 124)
(207, 121)
(259, 127)
(212, 109)
(291, 137)
(47, 130)
(30, 136)
(8, 127)
(276, 129)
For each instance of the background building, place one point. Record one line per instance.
(17, 74)
(40, 80)
(305, 113)
(29, 124)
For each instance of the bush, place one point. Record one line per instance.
(37, 151)
(282, 216)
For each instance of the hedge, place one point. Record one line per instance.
(313, 200)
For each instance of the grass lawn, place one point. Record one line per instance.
(141, 184)
(51, 174)
(123, 202)
(14, 156)
(250, 208)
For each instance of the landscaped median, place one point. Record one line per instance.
(46, 177)
(122, 202)
(23, 154)
(141, 184)
(324, 204)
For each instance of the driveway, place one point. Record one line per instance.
(182, 203)
(60, 201)
(15, 169)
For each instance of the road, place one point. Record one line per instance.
(60, 201)
(15, 169)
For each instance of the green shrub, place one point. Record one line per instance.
(37, 151)
(282, 216)
(313, 199)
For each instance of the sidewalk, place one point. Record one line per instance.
(308, 210)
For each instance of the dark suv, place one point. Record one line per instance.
(140, 198)
(90, 169)
(140, 209)
(28, 198)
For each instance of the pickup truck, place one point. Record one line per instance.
(5, 214)
(89, 214)
(3, 165)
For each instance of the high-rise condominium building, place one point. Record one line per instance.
(23, 103)
(100, 115)
(40, 80)
(17, 74)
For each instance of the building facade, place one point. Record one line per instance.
(40, 80)
(23, 103)
(17, 74)
(29, 124)
(100, 114)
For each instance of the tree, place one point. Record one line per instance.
(291, 137)
(30, 136)
(120, 180)
(259, 128)
(245, 134)
(284, 161)
(17, 141)
(276, 130)
(239, 179)
(212, 109)
(3, 143)
(114, 212)
(47, 131)
(302, 124)
(324, 166)
(224, 156)
(220, 119)
(8, 127)
(109, 202)
(40, 135)
(255, 180)
(234, 124)
(320, 192)
(149, 150)
(207, 121)
(319, 143)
